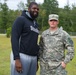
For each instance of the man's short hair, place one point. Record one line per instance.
(32, 3)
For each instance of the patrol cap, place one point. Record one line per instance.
(53, 17)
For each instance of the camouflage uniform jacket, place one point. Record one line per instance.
(53, 46)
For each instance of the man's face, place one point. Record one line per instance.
(53, 23)
(34, 10)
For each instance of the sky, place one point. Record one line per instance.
(12, 4)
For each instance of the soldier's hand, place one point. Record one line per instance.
(18, 65)
(63, 64)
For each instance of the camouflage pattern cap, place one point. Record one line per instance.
(53, 17)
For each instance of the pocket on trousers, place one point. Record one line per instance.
(61, 71)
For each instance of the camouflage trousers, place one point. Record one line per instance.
(55, 71)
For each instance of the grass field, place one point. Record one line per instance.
(5, 49)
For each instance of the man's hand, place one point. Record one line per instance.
(18, 65)
(63, 64)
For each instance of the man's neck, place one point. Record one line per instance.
(53, 28)
(28, 14)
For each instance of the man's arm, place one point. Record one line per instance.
(15, 39)
(69, 45)
(15, 36)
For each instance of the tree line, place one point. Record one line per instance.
(67, 15)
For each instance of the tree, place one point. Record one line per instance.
(21, 6)
(48, 7)
(4, 15)
(41, 17)
(73, 17)
(51, 6)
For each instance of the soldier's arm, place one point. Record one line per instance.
(69, 45)
(41, 44)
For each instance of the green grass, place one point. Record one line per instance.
(5, 49)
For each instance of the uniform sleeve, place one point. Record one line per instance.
(69, 45)
(41, 44)
(15, 36)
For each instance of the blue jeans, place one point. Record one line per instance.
(29, 65)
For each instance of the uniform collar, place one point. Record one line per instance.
(55, 33)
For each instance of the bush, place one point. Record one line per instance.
(8, 33)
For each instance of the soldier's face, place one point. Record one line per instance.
(53, 23)
(34, 10)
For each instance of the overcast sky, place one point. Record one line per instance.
(12, 4)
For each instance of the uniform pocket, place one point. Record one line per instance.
(61, 71)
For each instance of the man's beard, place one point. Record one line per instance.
(33, 15)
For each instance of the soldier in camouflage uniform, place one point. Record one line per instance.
(53, 43)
